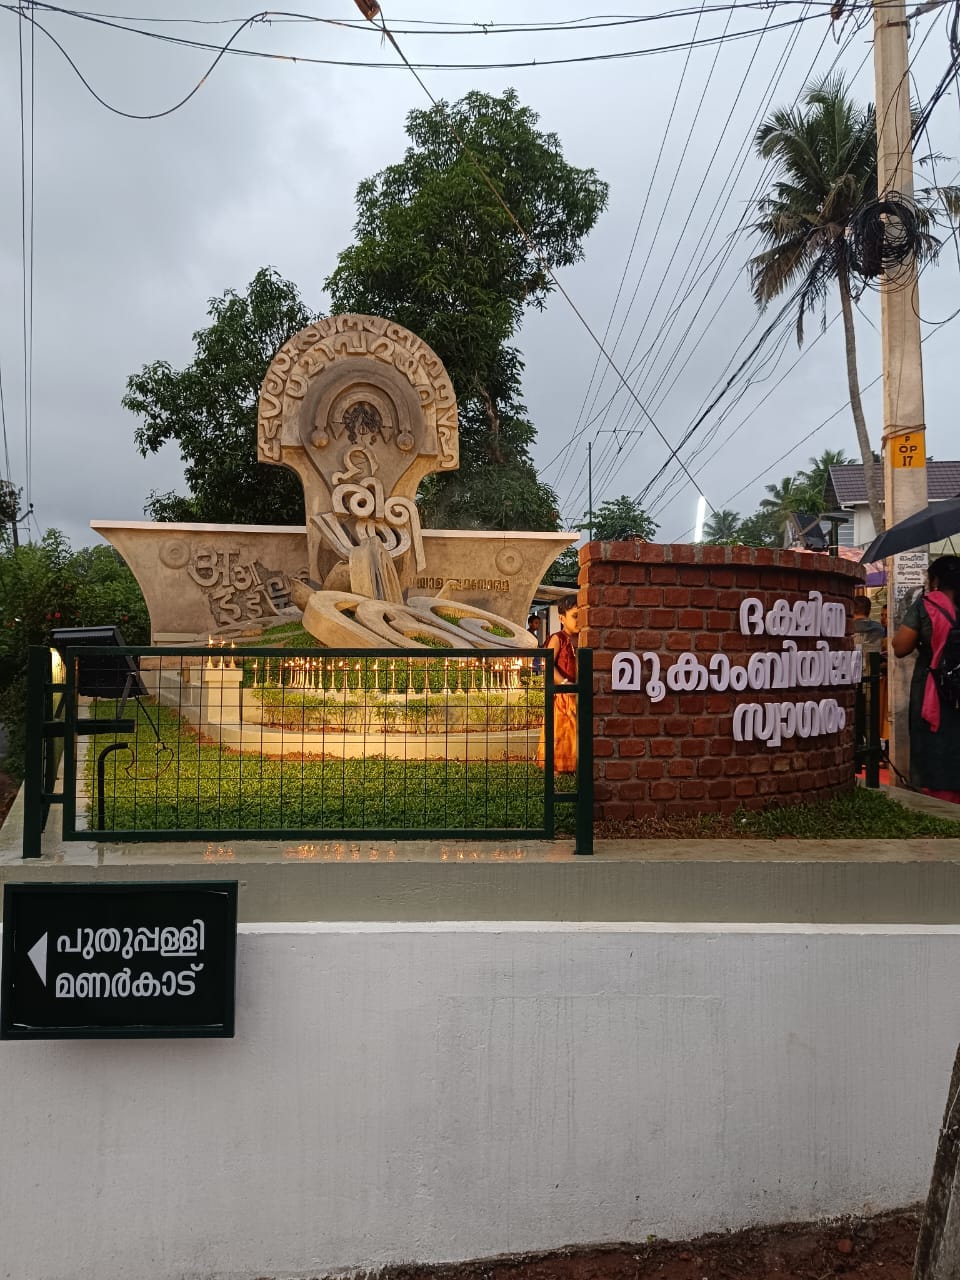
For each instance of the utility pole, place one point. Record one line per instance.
(905, 491)
(904, 428)
(589, 490)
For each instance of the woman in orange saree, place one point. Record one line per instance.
(563, 643)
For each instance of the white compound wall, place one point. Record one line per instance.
(432, 1092)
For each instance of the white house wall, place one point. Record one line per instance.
(863, 530)
(436, 1092)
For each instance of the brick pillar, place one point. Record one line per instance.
(678, 755)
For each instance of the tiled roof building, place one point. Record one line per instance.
(846, 491)
(847, 484)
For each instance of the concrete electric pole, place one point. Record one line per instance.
(904, 428)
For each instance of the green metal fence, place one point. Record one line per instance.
(869, 747)
(266, 743)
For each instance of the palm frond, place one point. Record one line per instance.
(774, 270)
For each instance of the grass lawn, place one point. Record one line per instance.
(859, 815)
(189, 785)
(289, 635)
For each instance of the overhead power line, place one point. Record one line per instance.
(27, 103)
(488, 181)
(633, 434)
(129, 115)
(751, 374)
(808, 436)
(697, 452)
(670, 319)
(3, 423)
(454, 28)
(577, 432)
(267, 16)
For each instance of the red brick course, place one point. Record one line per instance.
(678, 756)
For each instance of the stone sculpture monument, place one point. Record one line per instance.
(362, 410)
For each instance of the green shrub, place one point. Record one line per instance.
(43, 586)
(311, 711)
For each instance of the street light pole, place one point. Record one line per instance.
(904, 428)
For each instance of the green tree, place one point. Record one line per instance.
(209, 409)
(722, 528)
(566, 567)
(43, 586)
(107, 593)
(436, 252)
(619, 519)
(816, 476)
(825, 153)
(790, 495)
(759, 530)
(9, 504)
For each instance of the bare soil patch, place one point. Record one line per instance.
(879, 1248)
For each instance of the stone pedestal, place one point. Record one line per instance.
(219, 692)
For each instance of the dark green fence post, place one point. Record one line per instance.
(584, 819)
(874, 751)
(860, 722)
(549, 777)
(38, 686)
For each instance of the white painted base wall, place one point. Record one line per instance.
(444, 1092)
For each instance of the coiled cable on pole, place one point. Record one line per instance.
(883, 235)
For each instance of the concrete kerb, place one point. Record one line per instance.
(760, 881)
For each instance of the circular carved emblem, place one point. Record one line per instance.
(509, 560)
(362, 420)
(175, 554)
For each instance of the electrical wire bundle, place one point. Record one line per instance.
(883, 235)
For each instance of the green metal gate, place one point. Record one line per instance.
(204, 743)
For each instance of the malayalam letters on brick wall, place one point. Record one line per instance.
(790, 667)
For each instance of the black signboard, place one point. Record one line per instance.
(88, 961)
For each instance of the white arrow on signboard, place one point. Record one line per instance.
(38, 956)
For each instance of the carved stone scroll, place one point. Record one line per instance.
(362, 410)
(361, 402)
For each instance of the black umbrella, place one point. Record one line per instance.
(934, 523)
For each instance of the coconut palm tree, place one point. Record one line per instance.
(815, 479)
(722, 527)
(825, 153)
(790, 495)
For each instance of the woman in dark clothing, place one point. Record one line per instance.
(934, 726)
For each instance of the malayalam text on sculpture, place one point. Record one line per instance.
(362, 410)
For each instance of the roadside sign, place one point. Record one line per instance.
(909, 449)
(93, 961)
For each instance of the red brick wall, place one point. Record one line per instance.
(678, 756)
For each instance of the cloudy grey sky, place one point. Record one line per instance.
(138, 223)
